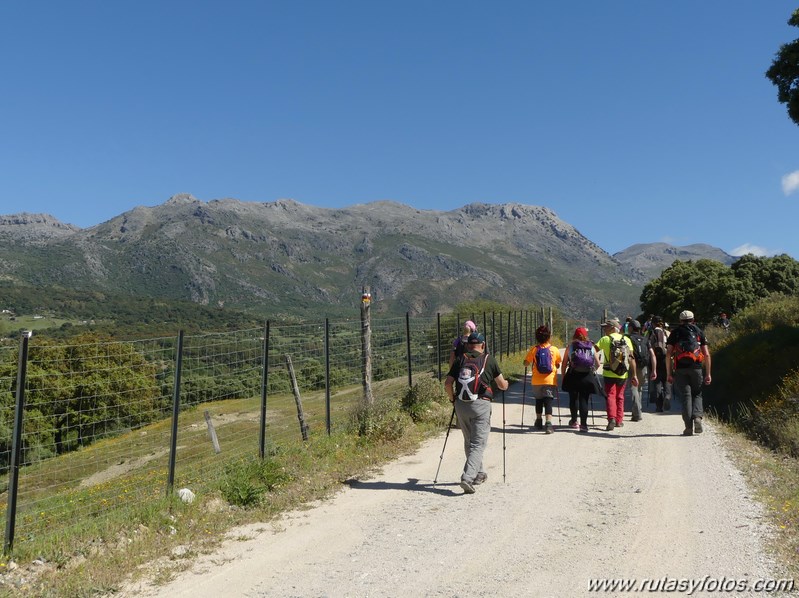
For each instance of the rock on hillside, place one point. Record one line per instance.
(653, 258)
(33, 229)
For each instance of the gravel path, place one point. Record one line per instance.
(641, 502)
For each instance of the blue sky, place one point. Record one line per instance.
(635, 121)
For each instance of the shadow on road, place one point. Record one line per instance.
(412, 484)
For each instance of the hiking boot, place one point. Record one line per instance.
(539, 424)
(573, 424)
(480, 478)
(688, 432)
(636, 418)
(467, 487)
(619, 424)
(611, 426)
(584, 429)
(697, 425)
(548, 428)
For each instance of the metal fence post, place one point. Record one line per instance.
(16, 445)
(327, 374)
(173, 447)
(264, 392)
(438, 343)
(408, 337)
(507, 351)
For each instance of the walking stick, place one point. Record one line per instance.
(557, 392)
(503, 436)
(441, 458)
(524, 392)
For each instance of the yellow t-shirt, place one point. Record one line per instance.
(539, 378)
(604, 345)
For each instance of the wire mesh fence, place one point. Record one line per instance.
(107, 425)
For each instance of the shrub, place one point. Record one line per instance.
(383, 420)
(245, 481)
(755, 382)
(426, 401)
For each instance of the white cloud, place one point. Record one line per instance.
(753, 249)
(790, 182)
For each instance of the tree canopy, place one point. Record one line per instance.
(708, 288)
(784, 73)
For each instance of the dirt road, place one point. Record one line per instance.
(641, 502)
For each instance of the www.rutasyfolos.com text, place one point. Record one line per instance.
(691, 586)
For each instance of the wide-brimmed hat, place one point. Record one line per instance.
(612, 322)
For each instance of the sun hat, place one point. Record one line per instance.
(470, 325)
(612, 322)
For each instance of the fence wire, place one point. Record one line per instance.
(98, 420)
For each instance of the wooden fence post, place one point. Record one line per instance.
(297, 399)
(366, 346)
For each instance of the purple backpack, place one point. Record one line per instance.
(581, 356)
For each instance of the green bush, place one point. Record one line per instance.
(383, 421)
(426, 401)
(246, 481)
(755, 381)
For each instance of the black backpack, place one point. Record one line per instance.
(688, 348)
(640, 350)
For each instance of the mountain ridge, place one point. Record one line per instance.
(288, 257)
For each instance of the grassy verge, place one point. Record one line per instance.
(774, 479)
(81, 554)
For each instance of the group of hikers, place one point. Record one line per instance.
(676, 360)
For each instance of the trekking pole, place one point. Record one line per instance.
(560, 425)
(449, 427)
(503, 436)
(524, 392)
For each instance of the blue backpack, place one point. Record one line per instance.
(543, 360)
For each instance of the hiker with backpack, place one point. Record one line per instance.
(545, 360)
(618, 367)
(459, 342)
(580, 361)
(469, 385)
(644, 364)
(659, 386)
(687, 357)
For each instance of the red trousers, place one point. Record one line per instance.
(614, 387)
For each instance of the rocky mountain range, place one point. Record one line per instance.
(284, 257)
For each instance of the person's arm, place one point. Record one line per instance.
(528, 359)
(653, 364)
(633, 368)
(448, 388)
(669, 373)
(501, 383)
(706, 352)
(565, 363)
(451, 357)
